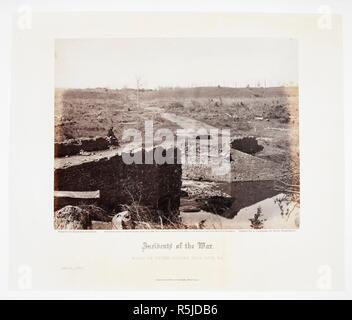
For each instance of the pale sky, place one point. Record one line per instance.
(117, 63)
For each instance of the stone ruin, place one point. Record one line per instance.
(156, 186)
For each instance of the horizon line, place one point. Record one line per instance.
(179, 87)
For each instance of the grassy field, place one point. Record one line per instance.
(270, 114)
(91, 112)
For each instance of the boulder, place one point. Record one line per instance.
(71, 217)
(123, 220)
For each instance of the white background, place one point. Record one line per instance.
(262, 6)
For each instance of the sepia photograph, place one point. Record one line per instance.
(176, 133)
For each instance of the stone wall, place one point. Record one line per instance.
(153, 185)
